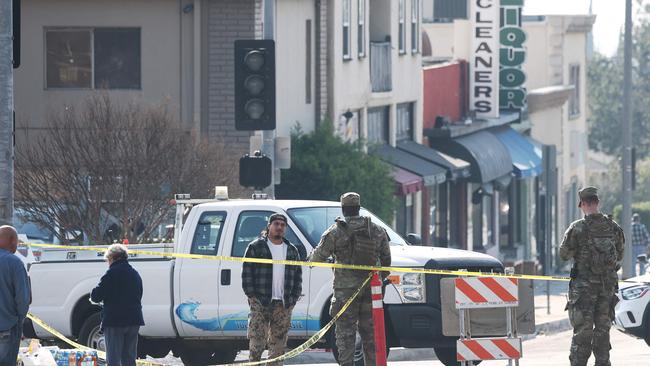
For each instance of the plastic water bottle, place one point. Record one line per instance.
(88, 359)
(62, 358)
(73, 358)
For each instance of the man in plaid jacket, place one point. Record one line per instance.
(272, 290)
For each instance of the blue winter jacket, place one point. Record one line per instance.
(121, 291)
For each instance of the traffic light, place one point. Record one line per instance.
(255, 171)
(254, 85)
(15, 6)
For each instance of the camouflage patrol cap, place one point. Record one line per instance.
(588, 192)
(350, 199)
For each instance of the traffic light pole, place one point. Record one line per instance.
(628, 260)
(268, 136)
(6, 114)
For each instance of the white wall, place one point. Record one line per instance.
(537, 55)
(349, 79)
(575, 54)
(407, 73)
(160, 53)
(291, 66)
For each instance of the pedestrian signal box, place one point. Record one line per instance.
(255, 85)
(255, 171)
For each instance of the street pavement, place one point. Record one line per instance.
(549, 350)
(548, 347)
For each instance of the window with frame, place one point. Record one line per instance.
(402, 31)
(361, 28)
(93, 58)
(574, 99)
(207, 234)
(415, 26)
(378, 125)
(347, 55)
(250, 225)
(404, 125)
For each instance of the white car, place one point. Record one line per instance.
(633, 310)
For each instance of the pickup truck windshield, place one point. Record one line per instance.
(313, 221)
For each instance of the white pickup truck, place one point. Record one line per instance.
(197, 308)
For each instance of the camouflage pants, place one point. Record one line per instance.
(268, 325)
(358, 315)
(591, 310)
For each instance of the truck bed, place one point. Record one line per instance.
(61, 286)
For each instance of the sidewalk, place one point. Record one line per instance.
(550, 317)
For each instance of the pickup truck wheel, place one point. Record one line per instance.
(358, 351)
(447, 356)
(91, 335)
(202, 357)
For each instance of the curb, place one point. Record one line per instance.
(553, 327)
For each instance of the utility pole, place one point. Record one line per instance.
(6, 114)
(268, 136)
(628, 260)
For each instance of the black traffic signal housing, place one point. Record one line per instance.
(254, 85)
(255, 171)
(15, 6)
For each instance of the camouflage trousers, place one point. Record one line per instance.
(268, 325)
(357, 316)
(591, 310)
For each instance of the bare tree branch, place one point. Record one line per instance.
(106, 165)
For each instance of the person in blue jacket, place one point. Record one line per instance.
(14, 296)
(120, 290)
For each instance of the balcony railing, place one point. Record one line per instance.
(380, 67)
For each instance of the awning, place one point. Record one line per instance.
(431, 174)
(406, 182)
(488, 157)
(526, 157)
(456, 168)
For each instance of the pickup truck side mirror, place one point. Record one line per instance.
(414, 239)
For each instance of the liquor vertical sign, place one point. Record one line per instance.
(512, 79)
(484, 62)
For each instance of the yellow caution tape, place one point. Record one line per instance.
(56, 333)
(313, 339)
(315, 264)
(293, 353)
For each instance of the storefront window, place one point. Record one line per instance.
(439, 215)
(404, 215)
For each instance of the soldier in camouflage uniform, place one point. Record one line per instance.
(353, 239)
(595, 243)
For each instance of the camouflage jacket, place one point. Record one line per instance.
(576, 245)
(336, 243)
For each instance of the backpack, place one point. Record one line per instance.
(602, 246)
(363, 246)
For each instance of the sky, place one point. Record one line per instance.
(610, 17)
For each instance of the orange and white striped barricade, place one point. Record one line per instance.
(487, 292)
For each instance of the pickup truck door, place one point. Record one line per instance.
(233, 306)
(197, 306)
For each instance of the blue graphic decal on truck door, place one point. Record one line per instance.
(186, 312)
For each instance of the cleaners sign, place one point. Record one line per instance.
(512, 95)
(484, 62)
(496, 75)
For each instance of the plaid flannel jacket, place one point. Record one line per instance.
(257, 278)
(639, 234)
